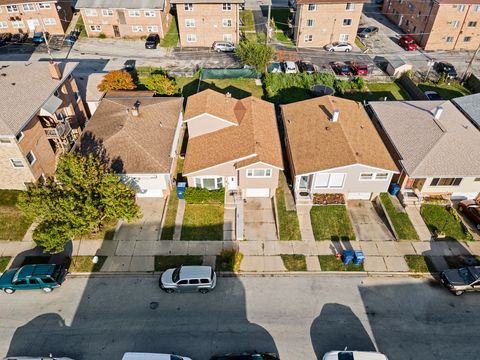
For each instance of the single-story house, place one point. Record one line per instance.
(435, 146)
(470, 106)
(333, 147)
(137, 136)
(232, 144)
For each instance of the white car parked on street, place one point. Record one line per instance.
(339, 47)
(354, 355)
(290, 67)
(151, 356)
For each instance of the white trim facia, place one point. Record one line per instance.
(349, 166)
(226, 162)
(259, 162)
(216, 117)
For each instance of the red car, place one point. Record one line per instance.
(359, 68)
(471, 210)
(407, 43)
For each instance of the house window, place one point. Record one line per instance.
(467, 39)
(259, 173)
(312, 7)
(381, 176)
(347, 22)
(209, 182)
(188, 7)
(152, 28)
(343, 37)
(149, 13)
(366, 176)
(107, 12)
(227, 22)
(12, 8)
(20, 136)
(331, 181)
(476, 8)
(49, 21)
(4, 141)
(190, 23)
(454, 24)
(461, 8)
(95, 28)
(3, 25)
(31, 158)
(133, 13)
(308, 38)
(227, 7)
(28, 7)
(472, 24)
(191, 37)
(91, 12)
(350, 7)
(449, 39)
(137, 28)
(227, 37)
(44, 6)
(310, 22)
(17, 163)
(17, 24)
(446, 181)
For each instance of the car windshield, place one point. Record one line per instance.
(408, 41)
(345, 355)
(466, 275)
(176, 275)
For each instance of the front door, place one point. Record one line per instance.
(116, 31)
(232, 183)
(304, 182)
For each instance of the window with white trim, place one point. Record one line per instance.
(350, 7)
(227, 6)
(137, 28)
(188, 7)
(28, 7)
(43, 5)
(3, 25)
(347, 22)
(20, 136)
(209, 182)
(95, 28)
(227, 37)
(476, 8)
(446, 181)
(449, 39)
(152, 28)
(381, 176)
(259, 173)
(467, 39)
(472, 24)
(49, 21)
(12, 8)
(312, 7)
(17, 163)
(18, 24)
(191, 37)
(310, 22)
(31, 158)
(461, 8)
(227, 22)
(107, 12)
(329, 181)
(190, 23)
(90, 12)
(133, 13)
(366, 176)
(343, 38)
(149, 13)
(308, 38)
(454, 24)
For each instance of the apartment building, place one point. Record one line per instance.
(30, 16)
(202, 22)
(316, 23)
(124, 19)
(438, 24)
(41, 116)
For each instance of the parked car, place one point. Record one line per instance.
(339, 46)
(367, 32)
(30, 277)
(71, 38)
(3, 42)
(407, 43)
(359, 69)
(223, 46)
(447, 68)
(39, 38)
(50, 357)
(432, 95)
(290, 67)
(19, 38)
(275, 67)
(151, 356)
(247, 356)
(471, 210)
(188, 278)
(307, 67)
(6, 36)
(354, 355)
(460, 280)
(341, 68)
(152, 41)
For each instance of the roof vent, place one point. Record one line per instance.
(438, 112)
(335, 115)
(136, 108)
(228, 95)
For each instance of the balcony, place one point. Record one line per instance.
(62, 135)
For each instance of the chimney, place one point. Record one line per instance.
(335, 115)
(438, 112)
(55, 72)
(136, 108)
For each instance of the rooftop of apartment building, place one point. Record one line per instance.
(26, 88)
(206, 1)
(120, 4)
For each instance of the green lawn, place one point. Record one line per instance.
(248, 26)
(163, 263)
(331, 222)
(81, 27)
(4, 260)
(169, 223)
(378, 91)
(419, 263)
(442, 223)
(287, 220)
(85, 264)
(359, 44)
(294, 262)
(239, 88)
(171, 37)
(280, 18)
(447, 92)
(400, 220)
(331, 263)
(228, 260)
(106, 232)
(202, 222)
(13, 224)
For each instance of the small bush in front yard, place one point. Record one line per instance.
(228, 260)
(331, 263)
(294, 262)
(195, 195)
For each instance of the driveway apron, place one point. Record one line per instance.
(259, 220)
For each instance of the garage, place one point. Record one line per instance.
(359, 196)
(149, 186)
(259, 193)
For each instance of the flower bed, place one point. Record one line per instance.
(328, 199)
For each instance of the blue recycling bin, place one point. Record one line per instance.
(393, 189)
(181, 189)
(359, 257)
(347, 257)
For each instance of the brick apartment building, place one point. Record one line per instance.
(438, 24)
(41, 116)
(316, 23)
(125, 18)
(202, 22)
(30, 16)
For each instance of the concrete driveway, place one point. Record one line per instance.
(259, 220)
(367, 224)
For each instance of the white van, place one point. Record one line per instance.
(354, 355)
(152, 356)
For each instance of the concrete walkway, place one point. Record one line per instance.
(303, 213)
(418, 223)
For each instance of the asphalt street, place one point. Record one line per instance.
(298, 317)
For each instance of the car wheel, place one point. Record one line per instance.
(47, 289)
(347, 50)
(169, 291)
(459, 292)
(9, 291)
(331, 50)
(203, 291)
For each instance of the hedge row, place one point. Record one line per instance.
(195, 195)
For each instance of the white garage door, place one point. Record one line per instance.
(257, 193)
(463, 196)
(359, 196)
(150, 186)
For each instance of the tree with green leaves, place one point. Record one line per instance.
(161, 84)
(81, 197)
(117, 80)
(254, 54)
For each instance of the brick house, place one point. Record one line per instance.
(28, 16)
(125, 18)
(316, 23)
(41, 116)
(202, 22)
(438, 24)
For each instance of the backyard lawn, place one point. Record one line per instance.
(280, 18)
(294, 262)
(85, 264)
(163, 263)
(287, 220)
(443, 223)
(331, 263)
(248, 25)
(13, 224)
(447, 92)
(202, 222)
(331, 222)
(378, 91)
(171, 37)
(239, 88)
(400, 220)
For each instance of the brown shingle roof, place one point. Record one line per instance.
(133, 144)
(317, 143)
(256, 134)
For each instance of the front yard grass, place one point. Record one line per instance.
(419, 264)
(441, 222)
(288, 225)
(331, 222)
(171, 37)
(13, 224)
(85, 264)
(163, 263)
(4, 260)
(106, 232)
(331, 263)
(228, 260)
(202, 222)
(239, 88)
(378, 91)
(169, 223)
(447, 92)
(400, 220)
(294, 262)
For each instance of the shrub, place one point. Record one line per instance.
(255, 54)
(161, 84)
(358, 83)
(195, 195)
(117, 80)
(341, 86)
(442, 78)
(276, 82)
(102, 36)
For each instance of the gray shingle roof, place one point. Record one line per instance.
(25, 87)
(447, 147)
(121, 4)
(206, 1)
(470, 105)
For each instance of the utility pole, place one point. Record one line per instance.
(467, 71)
(268, 21)
(45, 36)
